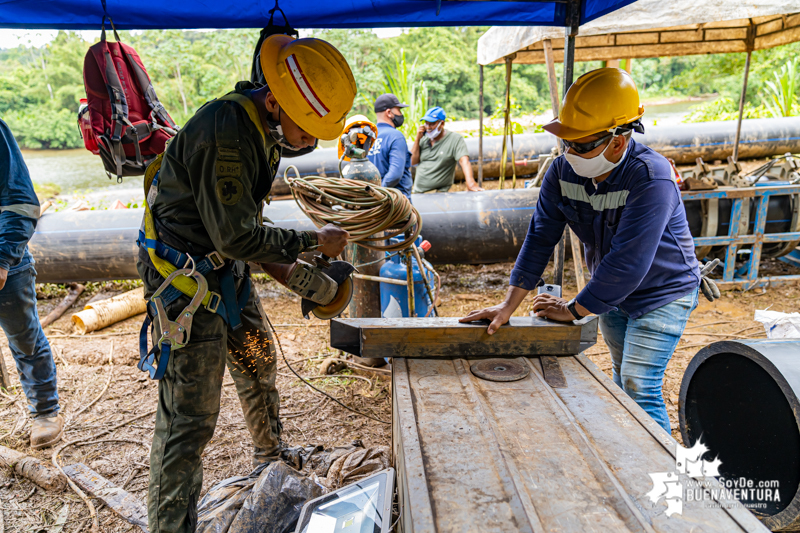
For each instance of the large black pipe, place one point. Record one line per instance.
(741, 399)
(463, 227)
(681, 142)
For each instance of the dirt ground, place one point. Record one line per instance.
(98, 370)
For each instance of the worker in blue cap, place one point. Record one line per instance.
(436, 152)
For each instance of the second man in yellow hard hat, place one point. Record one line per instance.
(206, 202)
(621, 200)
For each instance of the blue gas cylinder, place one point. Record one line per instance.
(393, 296)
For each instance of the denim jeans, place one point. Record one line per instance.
(28, 344)
(641, 348)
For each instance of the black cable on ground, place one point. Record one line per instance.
(301, 378)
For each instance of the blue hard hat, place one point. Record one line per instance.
(434, 114)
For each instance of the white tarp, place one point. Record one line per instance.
(501, 41)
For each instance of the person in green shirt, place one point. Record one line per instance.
(436, 152)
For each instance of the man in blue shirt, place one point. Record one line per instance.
(19, 212)
(390, 153)
(620, 199)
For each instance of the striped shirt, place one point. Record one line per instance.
(633, 227)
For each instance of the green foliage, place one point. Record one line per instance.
(40, 88)
(401, 80)
(780, 97)
(723, 108)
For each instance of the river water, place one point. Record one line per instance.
(79, 172)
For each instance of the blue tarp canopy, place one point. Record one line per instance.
(191, 14)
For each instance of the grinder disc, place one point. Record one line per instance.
(342, 299)
(499, 370)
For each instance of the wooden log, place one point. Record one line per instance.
(75, 290)
(119, 500)
(32, 468)
(107, 312)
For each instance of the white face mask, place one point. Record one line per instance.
(435, 133)
(595, 166)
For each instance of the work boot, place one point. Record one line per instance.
(46, 432)
(264, 457)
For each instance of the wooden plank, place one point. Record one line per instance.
(521, 456)
(688, 36)
(119, 500)
(552, 81)
(769, 27)
(588, 41)
(446, 337)
(633, 443)
(636, 38)
(787, 36)
(726, 35)
(416, 515)
(658, 50)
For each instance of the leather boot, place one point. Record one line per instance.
(46, 432)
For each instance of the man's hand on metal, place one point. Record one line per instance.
(331, 240)
(3, 277)
(552, 307)
(497, 315)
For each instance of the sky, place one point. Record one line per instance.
(11, 38)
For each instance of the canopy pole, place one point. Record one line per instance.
(570, 32)
(551, 75)
(741, 108)
(480, 129)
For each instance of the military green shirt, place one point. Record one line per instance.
(437, 163)
(215, 176)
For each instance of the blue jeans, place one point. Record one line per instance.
(641, 348)
(29, 346)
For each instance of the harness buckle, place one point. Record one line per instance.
(213, 301)
(216, 260)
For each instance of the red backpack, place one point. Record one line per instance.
(123, 121)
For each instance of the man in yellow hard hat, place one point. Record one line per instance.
(205, 203)
(621, 200)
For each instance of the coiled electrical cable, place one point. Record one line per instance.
(369, 213)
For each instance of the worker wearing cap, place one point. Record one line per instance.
(19, 213)
(209, 193)
(437, 151)
(390, 153)
(621, 200)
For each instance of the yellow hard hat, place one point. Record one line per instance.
(599, 100)
(356, 121)
(311, 81)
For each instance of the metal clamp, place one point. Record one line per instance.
(176, 334)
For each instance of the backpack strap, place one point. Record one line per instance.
(149, 92)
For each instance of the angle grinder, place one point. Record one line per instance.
(325, 286)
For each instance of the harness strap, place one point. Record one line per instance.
(251, 110)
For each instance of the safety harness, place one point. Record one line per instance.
(185, 275)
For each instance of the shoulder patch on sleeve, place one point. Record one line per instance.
(229, 190)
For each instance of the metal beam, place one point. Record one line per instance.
(570, 32)
(480, 130)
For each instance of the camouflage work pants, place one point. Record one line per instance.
(189, 402)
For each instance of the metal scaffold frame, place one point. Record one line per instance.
(747, 277)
